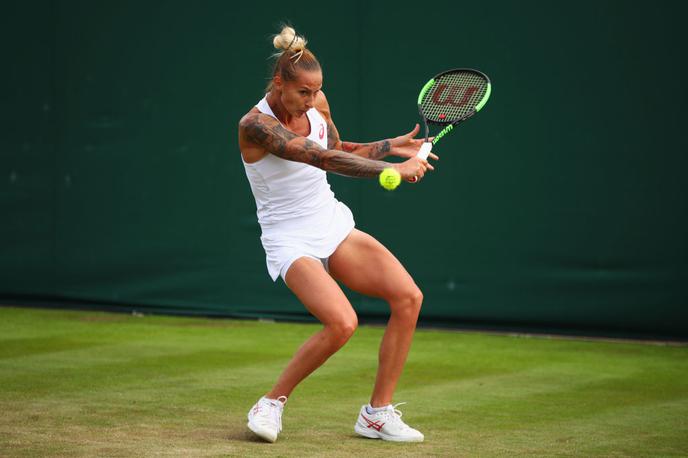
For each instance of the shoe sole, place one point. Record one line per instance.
(263, 434)
(374, 434)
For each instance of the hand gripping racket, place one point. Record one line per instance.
(450, 98)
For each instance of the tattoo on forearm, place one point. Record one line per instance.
(350, 147)
(350, 165)
(380, 149)
(269, 134)
(375, 151)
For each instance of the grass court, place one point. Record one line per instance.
(101, 384)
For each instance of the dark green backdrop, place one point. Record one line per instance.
(561, 206)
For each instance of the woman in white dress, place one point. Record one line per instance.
(288, 142)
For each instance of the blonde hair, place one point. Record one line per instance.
(288, 39)
(292, 55)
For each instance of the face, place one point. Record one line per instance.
(298, 96)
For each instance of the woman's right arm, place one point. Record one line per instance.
(266, 132)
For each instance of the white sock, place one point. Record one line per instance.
(279, 399)
(371, 410)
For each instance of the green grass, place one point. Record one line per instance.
(98, 384)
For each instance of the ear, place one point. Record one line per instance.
(277, 81)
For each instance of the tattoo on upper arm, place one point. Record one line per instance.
(271, 135)
(332, 135)
(267, 133)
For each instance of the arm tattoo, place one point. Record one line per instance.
(268, 133)
(332, 135)
(257, 131)
(380, 149)
(375, 151)
(350, 147)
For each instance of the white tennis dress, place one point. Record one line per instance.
(297, 211)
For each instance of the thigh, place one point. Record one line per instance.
(319, 293)
(366, 266)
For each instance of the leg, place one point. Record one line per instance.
(365, 265)
(323, 298)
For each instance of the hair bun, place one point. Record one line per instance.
(287, 39)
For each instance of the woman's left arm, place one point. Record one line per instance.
(402, 146)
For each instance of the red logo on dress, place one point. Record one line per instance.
(321, 134)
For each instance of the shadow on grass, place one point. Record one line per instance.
(243, 435)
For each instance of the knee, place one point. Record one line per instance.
(408, 304)
(342, 330)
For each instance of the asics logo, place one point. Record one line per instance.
(373, 424)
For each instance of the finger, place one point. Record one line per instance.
(415, 130)
(434, 156)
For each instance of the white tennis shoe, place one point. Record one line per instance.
(386, 425)
(265, 418)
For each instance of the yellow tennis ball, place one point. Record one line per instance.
(390, 178)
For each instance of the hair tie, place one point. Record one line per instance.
(292, 41)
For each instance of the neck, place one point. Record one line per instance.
(278, 108)
(273, 99)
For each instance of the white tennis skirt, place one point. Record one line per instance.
(316, 236)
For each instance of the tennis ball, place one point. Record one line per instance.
(390, 179)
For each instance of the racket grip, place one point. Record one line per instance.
(424, 150)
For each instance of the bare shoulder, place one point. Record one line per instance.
(321, 104)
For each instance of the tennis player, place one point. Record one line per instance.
(288, 142)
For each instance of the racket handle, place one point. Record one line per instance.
(424, 150)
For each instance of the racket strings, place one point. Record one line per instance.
(453, 96)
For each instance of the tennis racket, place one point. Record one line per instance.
(450, 98)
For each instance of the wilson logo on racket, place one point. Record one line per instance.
(450, 98)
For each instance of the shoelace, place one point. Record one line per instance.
(397, 414)
(274, 410)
